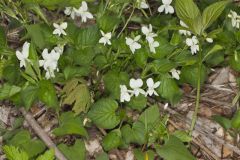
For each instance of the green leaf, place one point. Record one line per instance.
(100, 61)
(148, 155)
(23, 140)
(183, 136)
(77, 93)
(212, 12)
(88, 37)
(69, 124)
(138, 102)
(103, 113)
(134, 134)
(236, 120)
(189, 13)
(150, 115)
(75, 152)
(29, 95)
(112, 140)
(102, 156)
(214, 49)
(83, 57)
(162, 65)
(7, 91)
(224, 122)
(234, 61)
(174, 149)
(108, 22)
(47, 93)
(41, 35)
(112, 81)
(176, 39)
(48, 155)
(183, 59)
(169, 90)
(189, 75)
(13, 153)
(164, 49)
(75, 71)
(141, 58)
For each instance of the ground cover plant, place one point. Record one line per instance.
(115, 67)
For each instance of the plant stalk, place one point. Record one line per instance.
(128, 20)
(194, 117)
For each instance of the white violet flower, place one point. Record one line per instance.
(184, 32)
(147, 31)
(153, 45)
(70, 12)
(235, 18)
(124, 94)
(166, 7)
(23, 56)
(142, 4)
(193, 43)
(59, 29)
(133, 43)
(49, 62)
(105, 38)
(152, 86)
(136, 85)
(175, 73)
(82, 11)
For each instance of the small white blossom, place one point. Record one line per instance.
(60, 29)
(133, 43)
(105, 38)
(136, 85)
(153, 45)
(175, 73)
(166, 7)
(70, 12)
(124, 94)
(49, 62)
(152, 86)
(193, 44)
(82, 11)
(23, 56)
(142, 4)
(209, 40)
(184, 32)
(147, 31)
(235, 18)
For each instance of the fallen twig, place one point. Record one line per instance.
(222, 104)
(41, 134)
(204, 131)
(205, 149)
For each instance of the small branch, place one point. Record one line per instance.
(205, 149)
(41, 134)
(220, 103)
(203, 130)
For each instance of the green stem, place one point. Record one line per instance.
(194, 117)
(128, 20)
